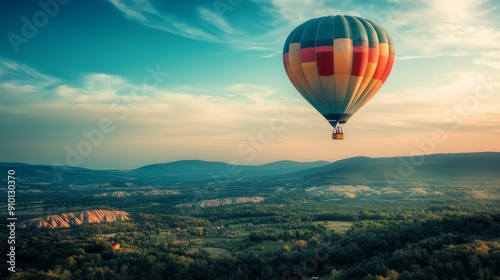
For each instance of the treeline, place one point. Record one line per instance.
(305, 232)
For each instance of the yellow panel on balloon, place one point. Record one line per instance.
(341, 85)
(353, 90)
(328, 84)
(312, 76)
(384, 49)
(374, 89)
(370, 70)
(342, 56)
(311, 72)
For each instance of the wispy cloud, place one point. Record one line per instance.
(18, 73)
(201, 21)
(234, 105)
(21, 84)
(428, 28)
(100, 88)
(462, 99)
(489, 58)
(144, 12)
(216, 20)
(134, 9)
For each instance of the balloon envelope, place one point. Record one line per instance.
(338, 63)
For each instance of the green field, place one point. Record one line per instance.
(264, 247)
(337, 226)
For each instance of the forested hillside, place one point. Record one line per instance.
(344, 220)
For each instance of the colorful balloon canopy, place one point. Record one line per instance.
(338, 63)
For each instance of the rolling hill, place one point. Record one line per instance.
(436, 169)
(466, 168)
(173, 172)
(190, 170)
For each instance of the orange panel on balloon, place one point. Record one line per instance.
(388, 68)
(382, 63)
(370, 70)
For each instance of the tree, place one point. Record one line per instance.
(285, 248)
(300, 244)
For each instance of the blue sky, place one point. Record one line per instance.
(158, 81)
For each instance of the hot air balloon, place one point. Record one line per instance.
(338, 63)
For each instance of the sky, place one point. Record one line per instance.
(123, 83)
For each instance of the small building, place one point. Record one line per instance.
(115, 246)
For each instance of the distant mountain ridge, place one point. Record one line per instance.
(481, 167)
(191, 169)
(172, 172)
